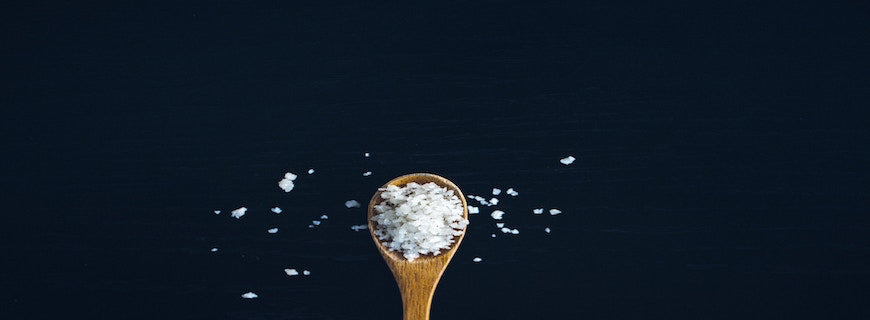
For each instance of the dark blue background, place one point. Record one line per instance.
(722, 151)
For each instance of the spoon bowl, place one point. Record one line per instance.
(417, 279)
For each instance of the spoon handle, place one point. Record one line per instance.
(417, 289)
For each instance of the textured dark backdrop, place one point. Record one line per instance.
(722, 151)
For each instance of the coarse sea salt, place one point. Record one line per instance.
(538, 211)
(512, 192)
(324, 217)
(493, 235)
(496, 191)
(473, 210)
(567, 160)
(547, 230)
(515, 231)
(249, 295)
(367, 154)
(497, 214)
(351, 204)
(286, 184)
(238, 213)
(217, 212)
(359, 227)
(315, 222)
(310, 171)
(499, 225)
(367, 173)
(306, 272)
(273, 230)
(477, 259)
(418, 219)
(493, 201)
(291, 272)
(214, 249)
(505, 230)
(554, 212)
(276, 210)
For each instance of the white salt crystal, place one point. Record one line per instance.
(499, 225)
(286, 184)
(547, 230)
(512, 192)
(367, 154)
(217, 212)
(367, 173)
(538, 211)
(473, 210)
(554, 212)
(214, 249)
(273, 230)
(315, 222)
(310, 171)
(493, 201)
(515, 231)
(324, 217)
(496, 191)
(497, 214)
(505, 230)
(418, 219)
(276, 210)
(249, 295)
(493, 235)
(238, 213)
(351, 204)
(359, 227)
(306, 272)
(477, 260)
(291, 272)
(567, 160)
(310, 226)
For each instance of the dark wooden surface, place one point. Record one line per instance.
(721, 173)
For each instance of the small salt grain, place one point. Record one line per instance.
(538, 211)
(567, 160)
(547, 230)
(367, 154)
(306, 272)
(477, 259)
(291, 272)
(493, 235)
(276, 210)
(351, 204)
(493, 201)
(310, 226)
(367, 173)
(515, 231)
(499, 225)
(505, 230)
(496, 191)
(315, 222)
(554, 212)
(214, 249)
(238, 213)
(249, 295)
(286, 184)
(512, 192)
(497, 214)
(473, 210)
(324, 217)
(217, 212)
(310, 171)
(273, 230)
(359, 227)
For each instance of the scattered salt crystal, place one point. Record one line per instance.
(497, 214)
(493, 235)
(214, 249)
(351, 204)
(287, 183)
(547, 230)
(359, 227)
(249, 295)
(477, 260)
(306, 272)
(238, 213)
(515, 231)
(310, 226)
(512, 192)
(493, 201)
(217, 212)
(554, 212)
(367, 154)
(367, 173)
(538, 211)
(496, 191)
(324, 217)
(567, 160)
(276, 210)
(273, 230)
(505, 230)
(291, 272)
(499, 225)
(315, 222)
(473, 210)
(310, 171)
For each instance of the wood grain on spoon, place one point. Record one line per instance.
(417, 279)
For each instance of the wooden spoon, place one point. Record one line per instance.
(417, 279)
